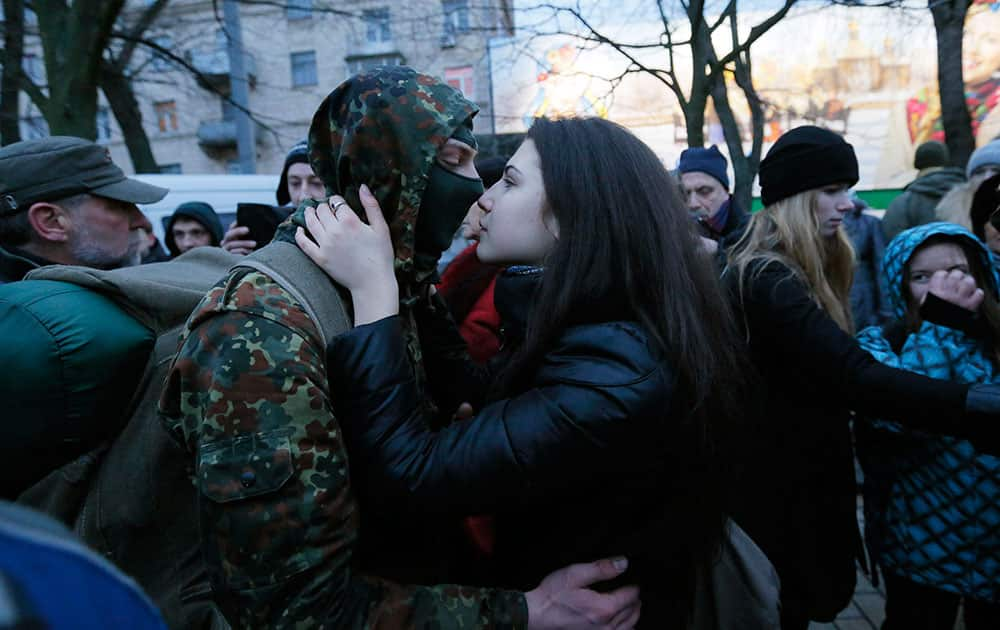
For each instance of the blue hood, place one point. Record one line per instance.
(900, 250)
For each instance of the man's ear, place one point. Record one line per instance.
(50, 222)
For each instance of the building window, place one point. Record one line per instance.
(461, 79)
(304, 69)
(456, 16)
(160, 62)
(357, 65)
(170, 169)
(299, 9)
(166, 115)
(377, 25)
(34, 127)
(103, 125)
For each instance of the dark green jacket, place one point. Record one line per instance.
(78, 358)
(915, 206)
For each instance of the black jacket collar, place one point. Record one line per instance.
(16, 263)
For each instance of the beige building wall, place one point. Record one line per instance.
(174, 106)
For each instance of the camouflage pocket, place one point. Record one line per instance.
(245, 466)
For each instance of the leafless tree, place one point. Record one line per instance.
(694, 38)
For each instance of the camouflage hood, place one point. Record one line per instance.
(383, 128)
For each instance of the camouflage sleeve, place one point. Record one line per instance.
(247, 395)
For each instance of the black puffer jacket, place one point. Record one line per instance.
(588, 462)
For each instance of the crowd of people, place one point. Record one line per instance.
(616, 379)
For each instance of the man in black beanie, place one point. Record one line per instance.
(915, 206)
(297, 182)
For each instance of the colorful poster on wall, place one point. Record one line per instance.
(866, 73)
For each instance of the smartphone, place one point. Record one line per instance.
(261, 219)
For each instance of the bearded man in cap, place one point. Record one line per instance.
(63, 201)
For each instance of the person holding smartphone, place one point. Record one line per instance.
(297, 182)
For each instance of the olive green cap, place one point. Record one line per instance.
(53, 168)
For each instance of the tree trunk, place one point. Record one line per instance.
(74, 37)
(701, 50)
(72, 110)
(118, 90)
(742, 191)
(694, 119)
(10, 82)
(746, 166)
(949, 23)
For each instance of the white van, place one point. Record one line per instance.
(222, 192)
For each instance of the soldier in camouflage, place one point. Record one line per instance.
(248, 397)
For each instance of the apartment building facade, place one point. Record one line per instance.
(295, 53)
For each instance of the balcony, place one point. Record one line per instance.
(217, 134)
(214, 68)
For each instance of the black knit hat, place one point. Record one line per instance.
(803, 159)
(930, 154)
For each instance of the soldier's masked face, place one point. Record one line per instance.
(453, 185)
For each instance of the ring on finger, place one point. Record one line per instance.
(337, 206)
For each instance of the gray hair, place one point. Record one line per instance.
(15, 229)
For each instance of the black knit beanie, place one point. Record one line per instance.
(803, 159)
(299, 153)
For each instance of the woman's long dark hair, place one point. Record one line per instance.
(628, 251)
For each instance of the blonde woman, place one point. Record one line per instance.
(789, 278)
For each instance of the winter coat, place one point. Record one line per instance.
(868, 304)
(196, 211)
(467, 287)
(931, 501)
(798, 499)
(249, 399)
(78, 360)
(915, 206)
(587, 461)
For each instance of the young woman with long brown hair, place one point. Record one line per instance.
(601, 434)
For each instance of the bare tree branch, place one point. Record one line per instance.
(27, 85)
(203, 79)
(149, 16)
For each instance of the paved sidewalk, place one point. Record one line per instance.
(866, 612)
(867, 609)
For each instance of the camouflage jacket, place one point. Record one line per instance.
(248, 397)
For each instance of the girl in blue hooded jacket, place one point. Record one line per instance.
(932, 502)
